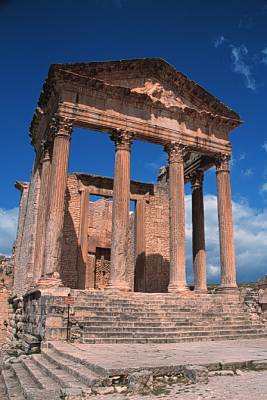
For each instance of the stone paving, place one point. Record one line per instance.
(250, 385)
(138, 356)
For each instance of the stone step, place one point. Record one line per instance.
(11, 384)
(79, 372)
(106, 318)
(170, 340)
(179, 329)
(73, 354)
(61, 376)
(39, 376)
(168, 324)
(163, 334)
(29, 387)
(144, 314)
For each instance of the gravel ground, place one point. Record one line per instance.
(250, 385)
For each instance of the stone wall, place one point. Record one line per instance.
(6, 283)
(26, 236)
(157, 240)
(70, 249)
(156, 233)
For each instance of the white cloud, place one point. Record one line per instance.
(241, 66)
(250, 228)
(263, 188)
(264, 146)
(8, 228)
(264, 58)
(247, 172)
(153, 165)
(218, 42)
(242, 157)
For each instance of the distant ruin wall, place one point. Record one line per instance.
(6, 283)
(157, 240)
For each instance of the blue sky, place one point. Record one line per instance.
(221, 45)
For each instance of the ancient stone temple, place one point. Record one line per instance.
(96, 272)
(58, 243)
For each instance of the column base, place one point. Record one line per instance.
(227, 290)
(201, 291)
(118, 287)
(176, 288)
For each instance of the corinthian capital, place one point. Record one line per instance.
(196, 179)
(176, 152)
(222, 163)
(122, 139)
(61, 126)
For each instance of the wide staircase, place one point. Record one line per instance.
(102, 317)
(162, 318)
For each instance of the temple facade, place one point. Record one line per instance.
(57, 242)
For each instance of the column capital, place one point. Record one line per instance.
(122, 139)
(46, 150)
(61, 126)
(176, 152)
(196, 178)
(222, 162)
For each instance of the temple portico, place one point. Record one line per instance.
(122, 100)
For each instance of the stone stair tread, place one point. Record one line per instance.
(171, 340)
(62, 377)
(78, 371)
(29, 387)
(12, 386)
(42, 379)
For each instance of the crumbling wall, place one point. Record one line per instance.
(69, 252)
(6, 283)
(157, 258)
(25, 242)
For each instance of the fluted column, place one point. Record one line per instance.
(176, 154)
(227, 252)
(59, 172)
(42, 210)
(198, 233)
(120, 210)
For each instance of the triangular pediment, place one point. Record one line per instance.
(155, 78)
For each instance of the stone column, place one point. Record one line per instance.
(42, 210)
(227, 252)
(198, 233)
(58, 181)
(176, 154)
(120, 210)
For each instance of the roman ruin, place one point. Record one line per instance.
(94, 272)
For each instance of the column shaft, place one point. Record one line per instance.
(120, 211)
(177, 218)
(227, 252)
(42, 212)
(58, 182)
(198, 234)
